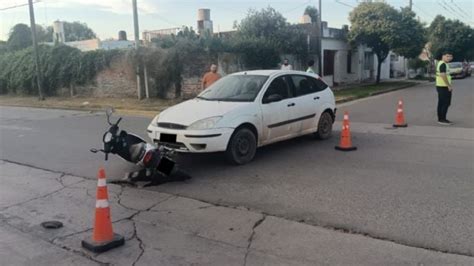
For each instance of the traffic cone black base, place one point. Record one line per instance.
(404, 125)
(345, 149)
(96, 247)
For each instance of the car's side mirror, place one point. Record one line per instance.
(273, 98)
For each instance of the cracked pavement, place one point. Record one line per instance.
(164, 229)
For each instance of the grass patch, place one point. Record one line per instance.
(124, 106)
(362, 91)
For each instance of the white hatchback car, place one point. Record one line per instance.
(246, 110)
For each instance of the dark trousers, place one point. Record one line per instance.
(444, 101)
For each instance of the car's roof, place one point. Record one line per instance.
(268, 72)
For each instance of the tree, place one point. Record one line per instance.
(44, 34)
(3, 47)
(381, 27)
(312, 12)
(263, 35)
(452, 35)
(19, 38)
(267, 23)
(76, 31)
(188, 33)
(411, 33)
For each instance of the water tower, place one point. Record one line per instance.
(58, 32)
(204, 22)
(122, 35)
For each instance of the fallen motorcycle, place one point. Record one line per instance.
(156, 163)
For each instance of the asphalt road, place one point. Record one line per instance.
(412, 186)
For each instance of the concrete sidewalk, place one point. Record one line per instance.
(163, 229)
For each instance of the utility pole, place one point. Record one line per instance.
(35, 45)
(410, 6)
(320, 49)
(137, 40)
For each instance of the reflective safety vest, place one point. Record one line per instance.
(439, 81)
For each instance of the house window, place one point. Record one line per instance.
(349, 62)
(368, 60)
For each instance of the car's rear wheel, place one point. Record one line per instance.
(242, 146)
(324, 126)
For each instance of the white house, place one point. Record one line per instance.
(342, 64)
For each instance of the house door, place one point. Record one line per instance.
(328, 68)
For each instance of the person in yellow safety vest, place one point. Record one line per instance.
(444, 87)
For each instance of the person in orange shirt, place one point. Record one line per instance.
(210, 77)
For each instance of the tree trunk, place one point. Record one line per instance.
(379, 67)
(380, 59)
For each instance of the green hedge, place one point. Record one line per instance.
(62, 66)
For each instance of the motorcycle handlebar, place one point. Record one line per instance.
(93, 150)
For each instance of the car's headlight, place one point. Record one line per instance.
(207, 123)
(155, 120)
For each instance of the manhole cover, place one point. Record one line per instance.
(52, 224)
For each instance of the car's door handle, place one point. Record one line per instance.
(291, 104)
(316, 98)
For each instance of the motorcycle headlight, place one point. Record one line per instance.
(108, 137)
(207, 123)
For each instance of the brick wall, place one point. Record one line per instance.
(116, 81)
(119, 79)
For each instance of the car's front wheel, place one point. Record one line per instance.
(242, 146)
(324, 126)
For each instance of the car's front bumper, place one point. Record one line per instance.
(194, 141)
(458, 75)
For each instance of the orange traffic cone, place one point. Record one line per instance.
(400, 118)
(345, 143)
(103, 237)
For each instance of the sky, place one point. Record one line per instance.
(107, 17)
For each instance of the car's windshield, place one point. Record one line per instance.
(235, 88)
(455, 65)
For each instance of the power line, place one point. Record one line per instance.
(425, 12)
(15, 6)
(298, 7)
(450, 7)
(460, 9)
(344, 4)
(447, 6)
(446, 9)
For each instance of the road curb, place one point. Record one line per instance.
(138, 112)
(352, 98)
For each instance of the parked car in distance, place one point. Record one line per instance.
(467, 68)
(457, 70)
(246, 110)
